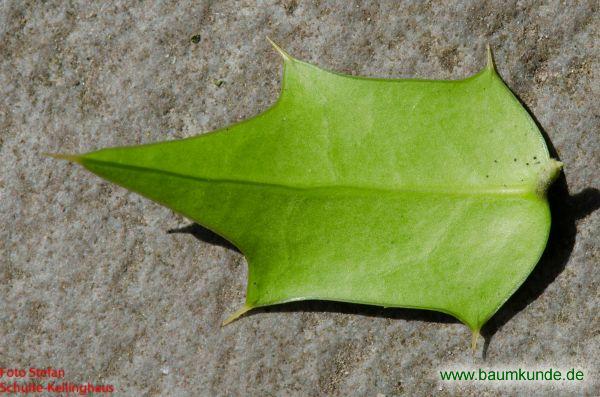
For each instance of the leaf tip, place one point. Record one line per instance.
(237, 314)
(491, 64)
(474, 338)
(61, 156)
(547, 175)
(281, 51)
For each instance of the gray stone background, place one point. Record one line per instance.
(90, 280)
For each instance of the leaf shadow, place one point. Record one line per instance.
(321, 306)
(203, 234)
(566, 209)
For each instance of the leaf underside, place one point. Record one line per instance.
(399, 193)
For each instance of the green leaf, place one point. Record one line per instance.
(399, 193)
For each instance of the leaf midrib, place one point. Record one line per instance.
(491, 190)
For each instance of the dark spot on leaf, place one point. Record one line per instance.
(515, 159)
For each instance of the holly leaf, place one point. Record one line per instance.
(399, 193)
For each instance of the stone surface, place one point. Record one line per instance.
(90, 280)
